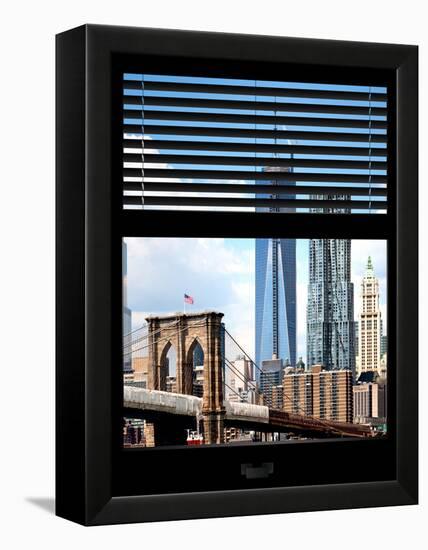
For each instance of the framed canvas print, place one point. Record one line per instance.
(236, 274)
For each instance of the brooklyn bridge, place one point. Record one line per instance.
(168, 414)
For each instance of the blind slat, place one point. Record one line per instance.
(203, 143)
(248, 175)
(253, 134)
(248, 203)
(271, 148)
(251, 161)
(230, 89)
(253, 105)
(163, 186)
(130, 115)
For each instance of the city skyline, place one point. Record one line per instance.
(220, 274)
(200, 354)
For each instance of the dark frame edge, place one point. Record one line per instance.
(407, 255)
(70, 274)
(247, 502)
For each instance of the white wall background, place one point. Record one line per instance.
(27, 269)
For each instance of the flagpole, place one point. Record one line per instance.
(184, 304)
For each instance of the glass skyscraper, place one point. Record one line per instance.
(276, 287)
(330, 309)
(275, 300)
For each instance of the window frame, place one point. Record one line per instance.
(90, 226)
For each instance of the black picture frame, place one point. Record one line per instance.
(90, 226)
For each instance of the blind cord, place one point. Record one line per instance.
(255, 131)
(370, 149)
(142, 142)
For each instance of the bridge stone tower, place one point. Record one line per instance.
(184, 331)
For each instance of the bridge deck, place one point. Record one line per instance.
(188, 405)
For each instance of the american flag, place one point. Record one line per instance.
(188, 299)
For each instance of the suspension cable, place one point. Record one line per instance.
(231, 389)
(146, 325)
(242, 378)
(166, 338)
(145, 336)
(297, 405)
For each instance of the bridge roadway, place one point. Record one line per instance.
(155, 403)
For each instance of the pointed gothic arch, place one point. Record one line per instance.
(164, 368)
(196, 367)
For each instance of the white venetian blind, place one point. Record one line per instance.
(193, 143)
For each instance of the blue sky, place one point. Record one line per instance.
(219, 274)
(359, 142)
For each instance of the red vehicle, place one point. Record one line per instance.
(194, 438)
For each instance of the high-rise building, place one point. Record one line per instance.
(277, 397)
(383, 341)
(356, 332)
(369, 402)
(330, 309)
(271, 375)
(275, 299)
(198, 381)
(319, 393)
(276, 287)
(140, 367)
(171, 384)
(198, 371)
(239, 379)
(198, 356)
(369, 323)
(126, 322)
(298, 392)
(383, 370)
